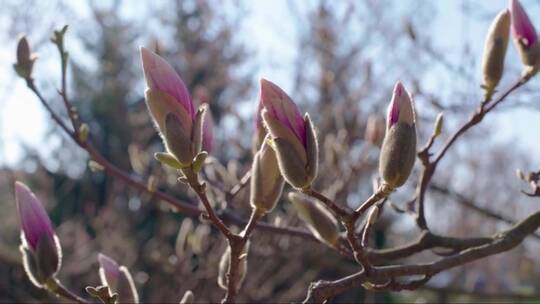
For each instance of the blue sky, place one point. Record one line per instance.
(22, 119)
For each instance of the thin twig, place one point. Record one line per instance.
(430, 166)
(323, 290)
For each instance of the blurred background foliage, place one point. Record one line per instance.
(348, 54)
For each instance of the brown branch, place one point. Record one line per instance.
(430, 166)
(200, 190)
(323, 290)
(237, 245)
(464, 201)
(338, 210)
(482, 294)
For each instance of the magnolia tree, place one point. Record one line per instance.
(285, 150)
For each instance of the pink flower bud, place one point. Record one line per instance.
(522, 28)
(525, 37)
(118, 279)
(398, 151)
(400, 108)
(41, 252)
(35, 222)
(281, 107)
(109, 270)
(161, 76)
(293, 138)
(171, 108)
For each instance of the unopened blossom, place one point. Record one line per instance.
(495, 50)
(375, 128)
(201, 98)
(118, 279)
(524, 34)
(40, 247)
(319, 220)
(293, 136)
(171, 107)
(266, 180)
(398, 151)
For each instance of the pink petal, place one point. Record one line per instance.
(283, 108)
(34, 219)
(110, 266)
(393, 108)
(522, 27)
(160, 75)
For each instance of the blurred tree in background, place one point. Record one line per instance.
(348, 56)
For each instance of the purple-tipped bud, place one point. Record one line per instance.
(281, 107)
(398, 151)
(118, 279)
(400, 108)
(522, 27)
(40, 247)
(524, 34)
(293, 137)
(171, 107)
(160, 76)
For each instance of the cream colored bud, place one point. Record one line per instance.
(398, 154)
(319, 220)
(266, 181)
(495, 50)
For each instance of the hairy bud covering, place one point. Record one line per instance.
(495, 50)
(266, 181)
(319, 220)
(398, 151)
(293, 138)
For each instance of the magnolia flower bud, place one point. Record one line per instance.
(225, 263)
(118, 279)
(42, 255)
(375, 129)
(25, 59)
(260, 130)
(319, 220)
(201, 97)
(171, 108)
(293, 138)
(524, 35)
(495, 50)
(188, 298)
(398, 151)
(266, 181)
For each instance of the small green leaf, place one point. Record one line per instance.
(168, 159)
(198, 161)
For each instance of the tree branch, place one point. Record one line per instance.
(323, 290)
